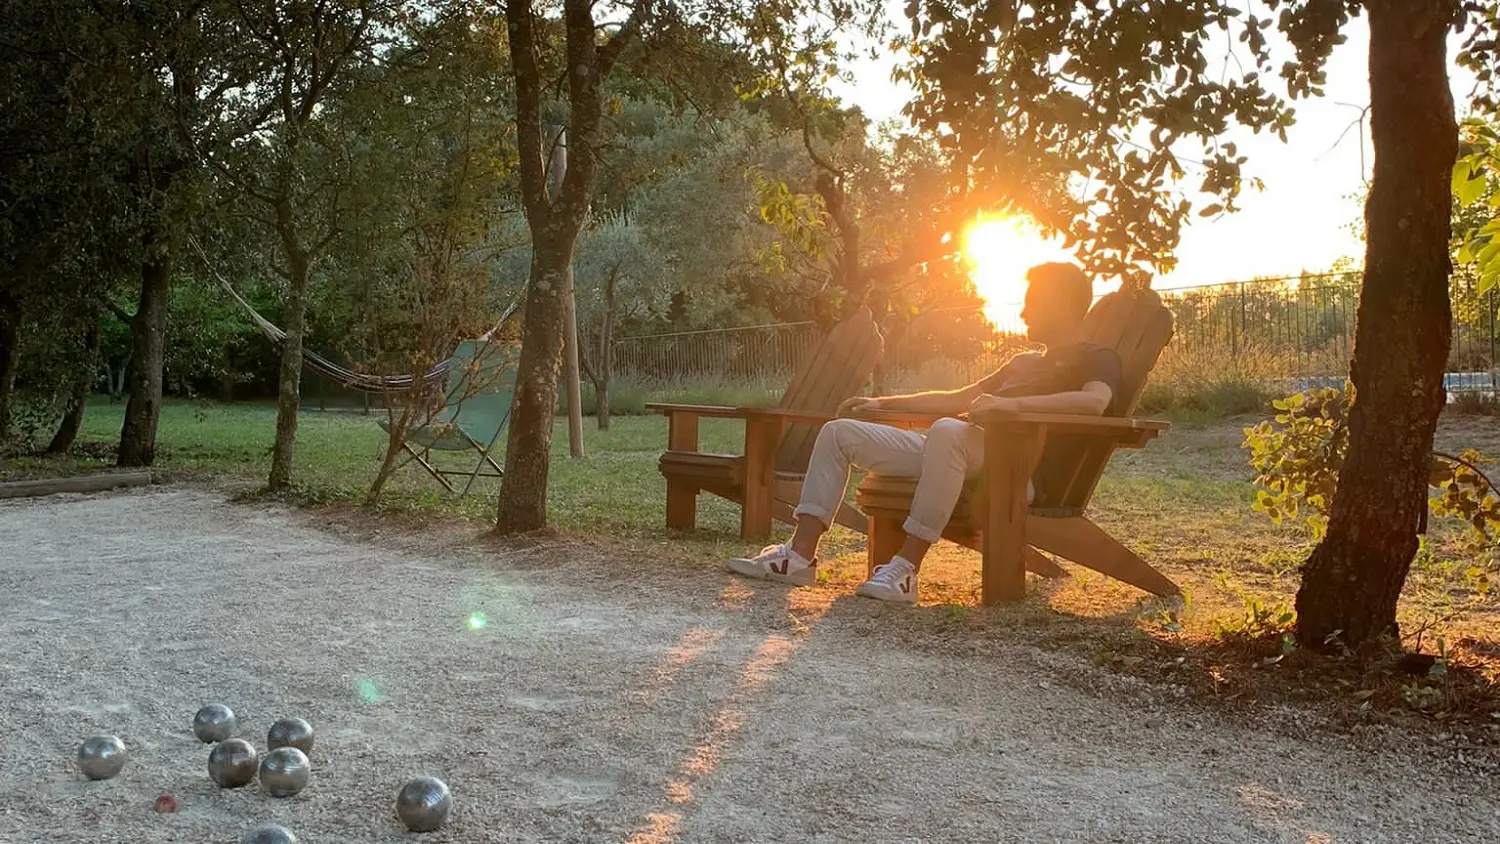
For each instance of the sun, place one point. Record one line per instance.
(1001, 250)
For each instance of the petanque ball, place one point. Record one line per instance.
(290, 732)
(284, 771)
(269, 834)
(214, 722)
(101, 757)
(423, 804)
(231, 763)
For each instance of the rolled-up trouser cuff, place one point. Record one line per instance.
(920, 531)
(819, 513)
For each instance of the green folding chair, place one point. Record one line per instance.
(474, 408)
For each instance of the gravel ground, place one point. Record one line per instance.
(595, 703)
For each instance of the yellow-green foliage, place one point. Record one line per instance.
(1297, 456)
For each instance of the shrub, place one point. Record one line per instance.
(1297, 457)
(1216, 381)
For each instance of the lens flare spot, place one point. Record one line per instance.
(477, 620)
(368, 691)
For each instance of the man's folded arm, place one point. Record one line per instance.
(1092, 400)
(936, 402)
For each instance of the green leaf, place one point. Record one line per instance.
(1467, 186)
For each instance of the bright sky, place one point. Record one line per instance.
(1301, 220)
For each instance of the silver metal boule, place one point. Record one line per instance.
(231, 763)
(284, 771)
(101, 757)
(214, 722)
(270, 833)
(290, 732)
(423, 804)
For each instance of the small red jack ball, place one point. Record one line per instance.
(165, 803)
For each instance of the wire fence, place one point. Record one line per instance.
(754, 353)
(1305, 325)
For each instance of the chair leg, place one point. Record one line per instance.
(431, 470)
(1086, 544)
(484, 457)
(886, 536)
(1038, 563)
(499, 472)
(682, 505)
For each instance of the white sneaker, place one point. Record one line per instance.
(894, 581)
(776, 562)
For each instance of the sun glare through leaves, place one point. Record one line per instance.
(1000, 251)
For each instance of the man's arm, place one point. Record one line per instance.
(1092, 400)
(1100, 373)
(936, 402)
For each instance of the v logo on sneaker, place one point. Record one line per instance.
(779, 566)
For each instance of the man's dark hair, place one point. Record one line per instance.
(1066, 285)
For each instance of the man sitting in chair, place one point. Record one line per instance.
(1072, 377)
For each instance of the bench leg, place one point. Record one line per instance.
(682, 505)
(886, 536)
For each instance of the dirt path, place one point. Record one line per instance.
(680, 706)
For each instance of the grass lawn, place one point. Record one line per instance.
(1182, 503)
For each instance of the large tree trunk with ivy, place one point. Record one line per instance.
(523, 493)
(10, 349)
(148, 342)
(78, 396)
(1354, 577)
(555, 219)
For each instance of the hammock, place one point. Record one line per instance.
(345, 376)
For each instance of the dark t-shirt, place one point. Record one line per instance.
(1062, 370)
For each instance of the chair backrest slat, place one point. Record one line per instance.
(840, 366)
(1138, 327)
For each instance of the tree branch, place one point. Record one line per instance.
(524, 68)
(812, 153)
(118, 311)
(610, 52)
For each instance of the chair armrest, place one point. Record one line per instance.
(1128, 432)
(716, 411)
(788, 416)
(1073, 423)
(1125, 429)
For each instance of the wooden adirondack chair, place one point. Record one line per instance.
(993, 517)
(766, 479)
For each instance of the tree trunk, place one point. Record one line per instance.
(148, 340)
(523, 492)
(289, 392)
(117, 379)
(10, 349)
(83, 386)
(606, 352)
(1354, 577)
(394, 444)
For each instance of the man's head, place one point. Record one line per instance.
(1058, 296)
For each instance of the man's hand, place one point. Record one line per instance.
(854, 404)
(994, 404)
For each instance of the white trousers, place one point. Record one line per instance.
(951, 452)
